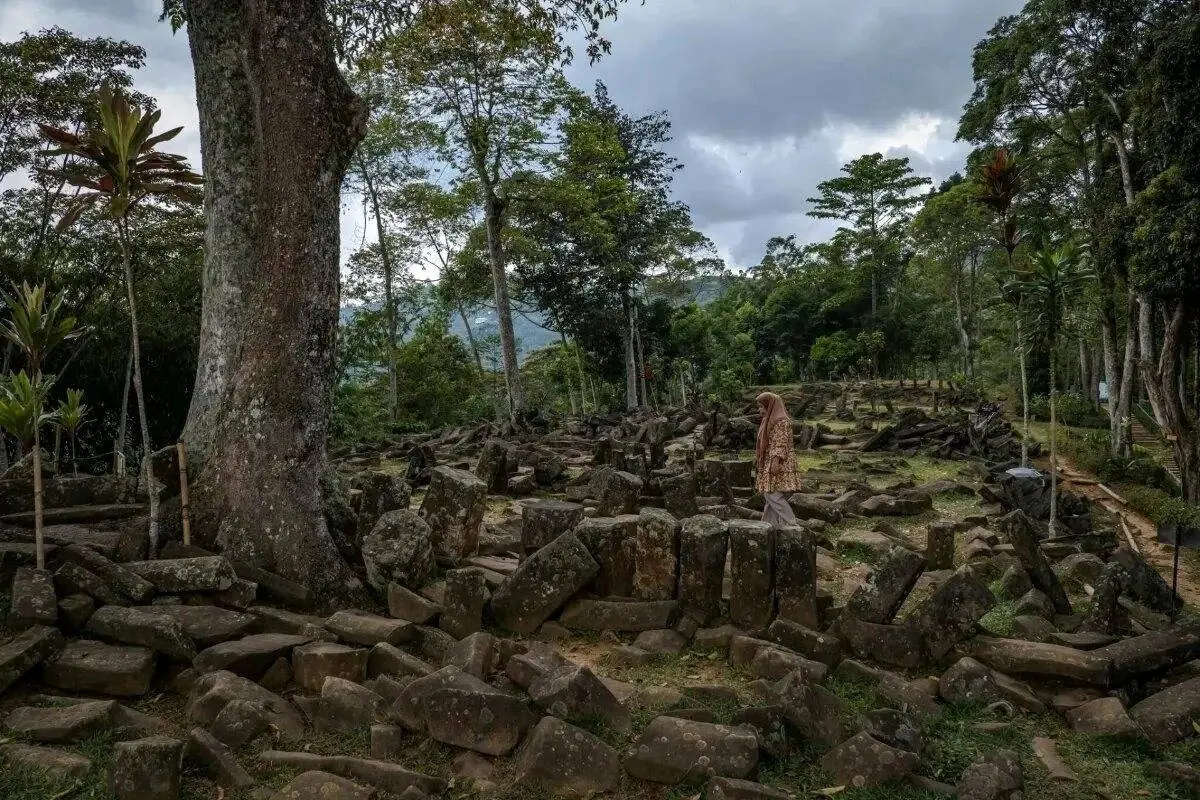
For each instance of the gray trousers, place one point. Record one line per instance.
(777, 512)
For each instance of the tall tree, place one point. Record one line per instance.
(875, 197)
(118, 169)
(271, 273)
(491, 76)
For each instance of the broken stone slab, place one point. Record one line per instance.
(25, 651)
(633, 616)
(313, 662)
(1046, 751)
(822, 647)
(1152, 652)
(577, 695)
(703, 544)
(119, 576)
(1023, 536)
(33, 599)
(917, 697)
(672, 750)
(894, 645)
(796, 576)
(656, 563)
(61, 724)
(205, 625)
(492, 468)
(463, 602)
(475, 654)
(383, 775)
(1104, 716)
(278, 620)
(386, 659)
(345, 705)
(453, 507)
(660, 642)
(173, 575)
(543, 521)
(317, 785)
(1169, 716)
(940, 544)
(203, 750)
(566, 761)
(536, 663)
(612, 541)
(249, 656)
(54, 763)
(894, 728)
(774, 663)
(70, 578)
(886, 505)
(1145, 583)
(359, 627)
(863, 761)
(992, 776)
(970, 681)
(408, 605)
(809, 507)
(398, 549)
(752, 565)
(1046, 660)
(734, 789)
(617, 492)
(146, 769)
(458, 709)
(216, 690)
(542, 583)
(88, 666)
(880, 598)
(239, 723)
(276, 587)
(952, 612)
(134, 626)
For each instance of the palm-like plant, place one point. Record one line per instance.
(119, 168)
(998, 184)
(1054, 278)
(22, 414)
(72, 413)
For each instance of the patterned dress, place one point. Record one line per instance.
(776, 476)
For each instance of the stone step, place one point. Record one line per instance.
(77, 515)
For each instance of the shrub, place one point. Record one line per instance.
(1074, 410)
(1160, 506)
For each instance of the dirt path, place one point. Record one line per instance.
(1143, 529)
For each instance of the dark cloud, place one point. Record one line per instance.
(767, 97)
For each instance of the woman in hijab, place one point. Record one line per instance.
(776, 460)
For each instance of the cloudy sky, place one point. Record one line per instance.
(767, 97)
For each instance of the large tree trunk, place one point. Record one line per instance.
(462, 314)
(1023, 365)
(278, 126)
(508, 339)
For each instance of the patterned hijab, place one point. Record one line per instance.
(773, 410)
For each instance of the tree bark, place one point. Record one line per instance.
(471, 338)
(631, 385)
(278, 126)
(138, 387)
(1022, 363)
(119, 447)
(1053, 442)
(389, 306)
(508, 340)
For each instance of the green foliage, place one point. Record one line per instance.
(1074, 410)
(22, 403)
(835, 354)
(37, 323)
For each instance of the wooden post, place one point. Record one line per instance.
(181, 451)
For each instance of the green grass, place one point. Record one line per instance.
(999, 621)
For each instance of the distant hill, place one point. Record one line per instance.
(528, 328)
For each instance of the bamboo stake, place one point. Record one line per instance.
(181, 451)
(1113, 494)
(1129, 535)
(39, 545)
